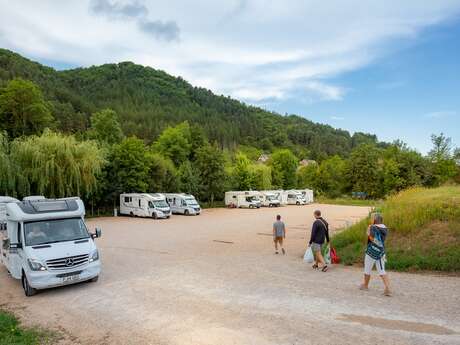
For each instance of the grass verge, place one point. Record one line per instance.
(347, 201)
(424, 232)
(11, 332)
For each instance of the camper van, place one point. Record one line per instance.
(243, 199)
(307, 194)
(3, 201)
(269, 199)
(144, 205)
(182, 203)
(47, 244)
(295, 198)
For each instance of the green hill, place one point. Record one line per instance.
(148, 100)
(424, 226)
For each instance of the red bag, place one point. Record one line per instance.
(335, 259)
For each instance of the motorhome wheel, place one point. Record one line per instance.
(154, 215)
(28, 290)
(186, 212)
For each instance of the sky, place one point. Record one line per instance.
(386, 67)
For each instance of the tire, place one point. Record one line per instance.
(297, 203)
(154, 215)
(28, 290)
(94, 280)
(131, 214)
(186, 213)
(250, 206)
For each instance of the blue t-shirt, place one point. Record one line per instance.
(278, 228)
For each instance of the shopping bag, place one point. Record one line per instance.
(327, 255)
(335, 259)
(308, 257)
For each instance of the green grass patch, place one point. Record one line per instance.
(424, 232)
(348, 201)
(11, 332)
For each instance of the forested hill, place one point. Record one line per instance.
(148, 100)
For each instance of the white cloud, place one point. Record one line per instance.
(337, 118)
(254, 50)
(440, 114)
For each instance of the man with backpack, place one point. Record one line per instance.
(375, 253)
(319, 234)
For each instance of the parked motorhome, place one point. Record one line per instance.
(307, 194)
(269, 199)
(3, 201)
(281, 195)
(295, 198)
(144, 205)
(182, 203)
(47, 244)
(243, 199)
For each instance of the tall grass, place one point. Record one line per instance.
(424, 232)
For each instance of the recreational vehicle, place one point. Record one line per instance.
(295, 198)
(3, 201)
(47, 244)
(307, 194)
(182, 203)
(144, 205)
(243, 199)
(269, 199)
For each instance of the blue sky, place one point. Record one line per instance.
(385, 67)
(411, 92)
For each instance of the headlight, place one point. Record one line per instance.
(94, 256)
(36, 265)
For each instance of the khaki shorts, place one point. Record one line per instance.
(316, 247)
(278, 239)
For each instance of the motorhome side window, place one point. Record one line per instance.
(126, 198)
(151, 205)
(139, 202)
(19, 233)
(183, 203)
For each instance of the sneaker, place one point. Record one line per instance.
(364, 288)
(284, 252)
(276, 252)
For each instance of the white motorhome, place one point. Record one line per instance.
(243, 199)
(3, 201)
(269, 199)
(307, 194)
(47, 244)
(182, 203)
(295, 198)
(144, 205)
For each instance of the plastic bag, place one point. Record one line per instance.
(335, 259)
(327, 255)
(308, 257)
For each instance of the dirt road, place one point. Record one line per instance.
(214, 279)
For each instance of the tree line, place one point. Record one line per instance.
(103, 161)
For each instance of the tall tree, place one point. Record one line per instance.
(23, 110)
(175, 143)
(211, 168)
(130, 164)
(284, 166)
(105, 127)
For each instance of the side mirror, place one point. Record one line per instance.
(97, 233)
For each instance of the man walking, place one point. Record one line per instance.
(279, 234)
(319, 233)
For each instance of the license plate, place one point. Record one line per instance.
(70, 279)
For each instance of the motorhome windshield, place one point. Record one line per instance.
(52, 231)
(191, 201)
(158, 203)
(271, 198)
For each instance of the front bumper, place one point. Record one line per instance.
(50, 279)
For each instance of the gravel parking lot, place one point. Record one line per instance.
(214, 279)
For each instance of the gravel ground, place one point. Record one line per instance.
(215, 280)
